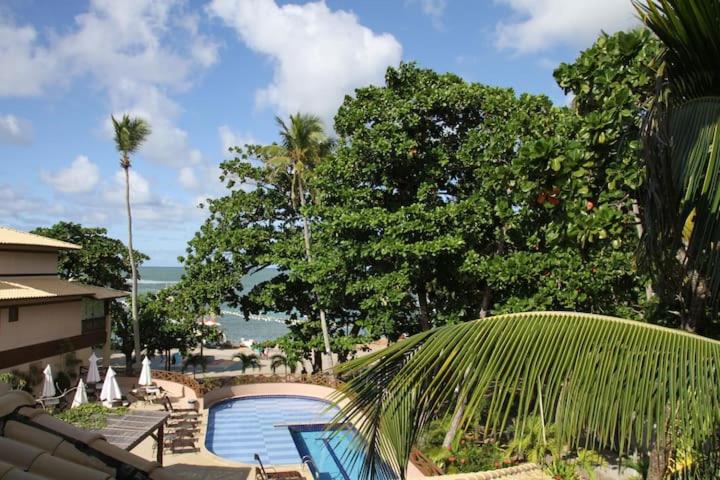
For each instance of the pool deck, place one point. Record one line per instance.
(204, 465)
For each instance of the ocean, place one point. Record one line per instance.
(233, 324)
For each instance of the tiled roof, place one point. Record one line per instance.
(22, 288)
(10, 236)
(42, 447)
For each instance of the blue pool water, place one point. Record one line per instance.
(241, 427)
(283, 430)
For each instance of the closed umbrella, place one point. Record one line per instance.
(48, 388)
(111, 390)
(145, 373)
(80, 395)
(93, 375)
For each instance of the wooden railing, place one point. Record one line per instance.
(182, 379)
(423, 463)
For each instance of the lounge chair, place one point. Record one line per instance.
(177, 413)
(182, 445)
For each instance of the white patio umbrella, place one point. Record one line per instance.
(145, 373)
(80, 395)
(48, 388)
(111, 390)
(93, 374)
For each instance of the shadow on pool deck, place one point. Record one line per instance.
(204, 472)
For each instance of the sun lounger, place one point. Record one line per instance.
(262, 474)
(182, 445)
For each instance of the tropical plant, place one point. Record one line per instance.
(595, 379)
(682, 149)
(130, 133)
(289, 362)
(532, 440)
(194, 361)
(303, 146)
(247, 360)
(90, 416)
(15, 382)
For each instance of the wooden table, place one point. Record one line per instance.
(127, 431)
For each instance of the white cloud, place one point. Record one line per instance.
(545, 23)
(80, 177)
(138, 51)
(434, 9)
(318, 55)
(14, 130)
(229, 138)
(187, 178)
(139, 189)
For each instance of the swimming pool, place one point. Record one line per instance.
(283, 430)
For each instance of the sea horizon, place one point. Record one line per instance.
(235, 327)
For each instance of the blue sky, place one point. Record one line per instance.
(213, 73)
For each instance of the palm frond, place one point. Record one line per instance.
(130, 133)
(604, 381)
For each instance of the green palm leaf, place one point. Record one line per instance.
(604, 381)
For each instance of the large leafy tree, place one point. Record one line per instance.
(446, 200)
(102, 261)
(302, 147)
(622, 382)
(130, 133)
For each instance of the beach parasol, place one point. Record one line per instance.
(111, 390)
(93, 375)
(48, 388)
(145, 373)
(80, 395)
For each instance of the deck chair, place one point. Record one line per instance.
(179, 413)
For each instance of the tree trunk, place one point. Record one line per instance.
(455, 423)
(658, 463)
(133, 267)
(308, 256)
(425, 323)
(485, 303)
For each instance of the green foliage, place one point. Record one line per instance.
(130, 133)
(90, 416)
(102, 261)
(561, 470)
(246, 360)
(604, 381)
(16, 382)
(529, 442)
(682, 149)
(194, 361)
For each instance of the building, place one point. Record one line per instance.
(44, 317)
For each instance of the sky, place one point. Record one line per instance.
(208, 74)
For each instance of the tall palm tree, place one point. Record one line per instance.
(130, 133)
(303, 146)
(682, 148)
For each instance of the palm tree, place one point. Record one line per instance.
(194, 361)
(290, 363)
(130, 133)
(601, 380)
(594, 379)
(247, 360)
(682, 149)
(303, 145)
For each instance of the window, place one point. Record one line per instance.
(93, 315)
(14, 314)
